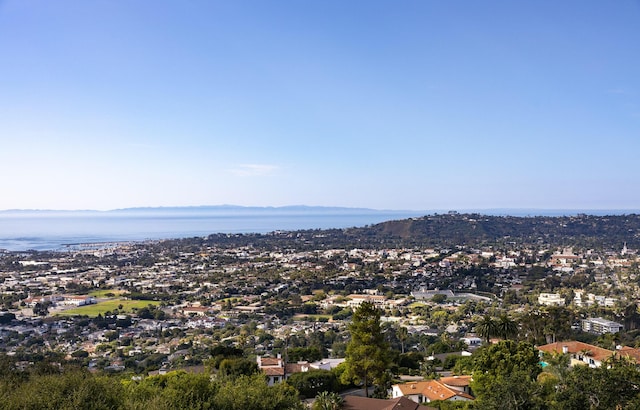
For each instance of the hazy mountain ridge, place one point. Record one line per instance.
(200, 209)
(516, 212)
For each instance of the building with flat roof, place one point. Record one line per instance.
(600, 326)
(551, 299)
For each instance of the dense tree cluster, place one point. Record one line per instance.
(508, 376)
(450, 229)
(79, 389)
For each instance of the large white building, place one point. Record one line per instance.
(355, 300)
(551, 299)
(580, 299)
(600, 326)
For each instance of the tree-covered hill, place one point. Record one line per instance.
(453, 229)
(472, 229)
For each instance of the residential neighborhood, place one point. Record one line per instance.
(146, 308)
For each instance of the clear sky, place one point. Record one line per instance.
(418, 105)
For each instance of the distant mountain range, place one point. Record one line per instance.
(211, 209)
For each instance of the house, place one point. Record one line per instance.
(459, 383)
(600, 326)
(355, 300)
(78, 300)
(32, 301)
(273, 368)
(579, 352)
(196, 310)
(551, 299)
(630, 353)
(278, 371)
(455, 388)
(472, 341)
(366, 403)
(326, 364)
(590, 299)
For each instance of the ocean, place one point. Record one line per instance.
(21, 231)
(58, 230)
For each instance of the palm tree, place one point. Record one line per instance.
(486, 328)
(506, 328)
(557, 364)
(402, 334)
(584, 353)
(328, 401)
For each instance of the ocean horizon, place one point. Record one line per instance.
(55, 231)
(22, 230)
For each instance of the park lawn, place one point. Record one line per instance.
(103, 293)
(109, 305)
(416, 304)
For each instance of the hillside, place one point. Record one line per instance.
(473, 229)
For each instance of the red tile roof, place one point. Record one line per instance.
(269, 362)
(629, 352)
(457, 381)
(365, 403)
(273, 371)
(432, 389)
(573, 347)
(436, 390)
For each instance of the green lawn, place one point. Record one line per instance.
(103, 293)
(109, 305)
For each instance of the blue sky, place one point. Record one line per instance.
(382, 104)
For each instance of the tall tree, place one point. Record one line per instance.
(506, 328)
(505, 376)
(506, 357)
(367, 356)
(402, 334)
(558, 320)
(603, 388)
(516, 391)
(486, 328)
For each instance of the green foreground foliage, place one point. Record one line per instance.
(79, 389)
(508, 376)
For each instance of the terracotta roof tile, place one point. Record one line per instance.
(457, 381)
(597, 353)
(273, 371)
(433, 389)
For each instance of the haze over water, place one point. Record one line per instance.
(54, 231)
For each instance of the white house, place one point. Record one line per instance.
(454, 388)
(472, 341)
(77, 300)
(551, 299)
(579, 352)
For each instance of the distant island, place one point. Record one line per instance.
(309, 209)
(206, 209)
